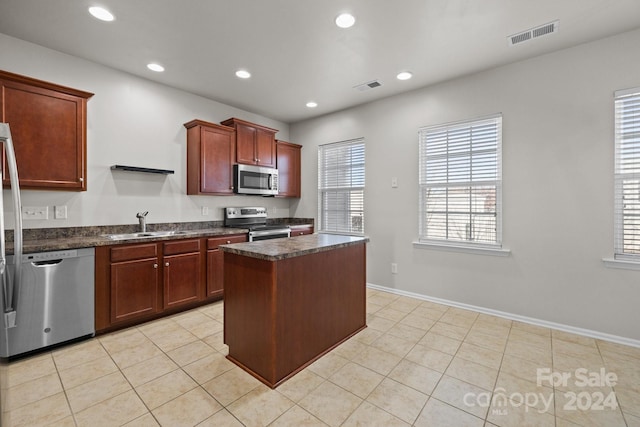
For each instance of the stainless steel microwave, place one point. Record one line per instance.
(260, 180)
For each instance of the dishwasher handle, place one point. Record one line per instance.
(47, 262)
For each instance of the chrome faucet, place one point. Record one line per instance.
(142, 218)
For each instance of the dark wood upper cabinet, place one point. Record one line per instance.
(49, 130)
(288, 163)
(210, 158)
(255, 144)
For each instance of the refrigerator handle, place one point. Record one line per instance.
(11, 285)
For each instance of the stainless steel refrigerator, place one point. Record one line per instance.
(10, 282)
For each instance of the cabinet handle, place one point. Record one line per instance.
(81, 179)
(228, 241)
(155, 265)
(166, 264)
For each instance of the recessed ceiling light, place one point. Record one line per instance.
(243, 74)
(155, 67)
(101, 13)
(405, 75)
(345, 20)
(312, 104)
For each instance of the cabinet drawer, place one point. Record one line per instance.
(300, 230)
(181, 247)
(213, 243)
(127, 253)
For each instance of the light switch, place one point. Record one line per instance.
(394, 182)
(204, 210)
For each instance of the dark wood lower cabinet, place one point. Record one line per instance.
(139, 282)
(215, 272)
(182, 284)
(134, 289)
(280, 316)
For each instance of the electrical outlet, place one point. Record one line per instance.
(60, 212)
(394, 268)
(394, 182)
(35, 212)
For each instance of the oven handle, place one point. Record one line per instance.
(264, 235)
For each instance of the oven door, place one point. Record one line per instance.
(254, 236)
(259, 180)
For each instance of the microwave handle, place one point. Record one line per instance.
(270, 181)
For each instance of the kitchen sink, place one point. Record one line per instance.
(144, 234)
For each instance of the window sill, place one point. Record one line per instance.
(479, 250)
(622, 264)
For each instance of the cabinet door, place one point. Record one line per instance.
(215, 258)
(288, 163)
(48, 127)
(181, 279)
(245, 144)
(255, 144)
(265, 148)
(217, 161)
(215, 273)
(134, 289)
(211, 152)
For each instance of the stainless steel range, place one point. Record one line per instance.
(255, 219)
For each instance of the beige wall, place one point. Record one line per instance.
(558, 187)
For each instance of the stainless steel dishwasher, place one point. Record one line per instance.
(55, 299)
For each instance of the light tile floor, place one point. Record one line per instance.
(418, 363)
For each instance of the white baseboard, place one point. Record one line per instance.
(533, 321)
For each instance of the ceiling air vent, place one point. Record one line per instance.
(369, 85)
(540, 31)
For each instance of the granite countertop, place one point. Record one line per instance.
(51, 239)
(52, 244)
(278, 249)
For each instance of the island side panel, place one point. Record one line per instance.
(248, 313)
(321, 301)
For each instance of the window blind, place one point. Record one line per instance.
(460, 180)
(627, 174)
(341, 170)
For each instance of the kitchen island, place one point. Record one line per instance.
(289, 301)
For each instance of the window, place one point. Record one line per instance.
(460, 183)
(627, 174)
(341, 187)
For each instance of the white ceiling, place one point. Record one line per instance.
(294, 50)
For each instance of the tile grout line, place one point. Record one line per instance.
(512, 335)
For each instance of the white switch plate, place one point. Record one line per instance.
(394, 182)
(60, 212)
(394, 268)
(204, 210)
(35, 212)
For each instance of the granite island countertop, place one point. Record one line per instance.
(278, 249)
